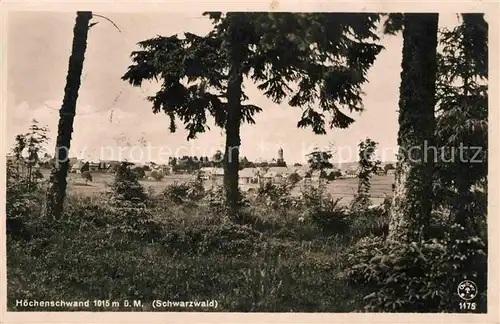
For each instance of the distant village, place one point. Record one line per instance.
(274, 171)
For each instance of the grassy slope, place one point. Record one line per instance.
(187, 254)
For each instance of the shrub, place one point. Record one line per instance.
(323, 210)
(133, 219)
(176, 192)
(369, 220)
(126, 186)
(140, 172)
(86, 176)
(276, 196)
(215, 198)
(417, 276)
(23, 204)
(180, 193)
(200, 238)
(157, 175)
(294, 177)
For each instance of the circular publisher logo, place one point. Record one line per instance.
(467, 290)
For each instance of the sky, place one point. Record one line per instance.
(115, 121)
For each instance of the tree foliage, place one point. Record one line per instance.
(366, 168)
(462, 115)
(28, 150)
(319, 159)
(316, 61)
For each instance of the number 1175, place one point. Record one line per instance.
(467, 306)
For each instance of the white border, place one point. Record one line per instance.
(491, 7)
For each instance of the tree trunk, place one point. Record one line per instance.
(233, 123)
(412, 202)
(57, 190)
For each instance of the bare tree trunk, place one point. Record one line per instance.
(57, 190)
(412, 202)
(233, 123)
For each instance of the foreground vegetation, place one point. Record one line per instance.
(303, 254)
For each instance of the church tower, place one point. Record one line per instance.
(281, 160)
(280, 154)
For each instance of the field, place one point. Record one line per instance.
(280, 256)
(341, 188)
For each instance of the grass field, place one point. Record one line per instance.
(303, 255)
(341, 188)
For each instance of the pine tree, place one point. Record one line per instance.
(462, 116)
(325, 56)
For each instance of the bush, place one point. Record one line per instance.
(417, 276)
(369, 220)
(215, 198)
(294, 177)
(140, 172)
(157, 175)
(86, 176)
(176, 192)
(200, 238)
(276, 196)
(126, 186)
(180, 193)
(323, 210)
(24, 203)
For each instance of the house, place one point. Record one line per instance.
(72, 160)
(166, 169)
(212, 173)
(94, 167)
(277, 174)
(47, 161)
(154, 166)
(275, 171)
(380, 171)
(351, 171)
(108, 165)
(328, 171)
(77, 167)
(206, 172)
(391, 172)
(248, 175)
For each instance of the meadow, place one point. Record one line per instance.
(286, 252)
(340, 188)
